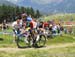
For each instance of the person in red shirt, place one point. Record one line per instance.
(45, 25)
(33, 24)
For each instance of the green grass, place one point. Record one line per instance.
(61, 39)
(8, 40)
(64, 17)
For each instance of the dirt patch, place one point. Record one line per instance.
(47, 47)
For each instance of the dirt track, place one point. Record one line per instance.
(47, 47)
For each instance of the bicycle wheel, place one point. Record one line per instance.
(22, 42)
(42, 40)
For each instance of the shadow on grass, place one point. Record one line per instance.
(24, 47)
(39, 46)
(1, 39)
(31, 47)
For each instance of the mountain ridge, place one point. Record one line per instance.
(6, 3)
(66, 6)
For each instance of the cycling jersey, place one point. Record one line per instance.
(33, 24)
(16, 25)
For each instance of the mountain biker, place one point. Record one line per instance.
(20, 23)
(31, 25)
(16, 27)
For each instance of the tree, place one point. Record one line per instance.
(23, 9)
(28, 11)
(32, 12)
(10, 12)
(17, 11)
(37, 14)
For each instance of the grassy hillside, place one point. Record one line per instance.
(64, 17)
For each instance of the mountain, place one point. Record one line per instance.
(65, 6)
(6, 3)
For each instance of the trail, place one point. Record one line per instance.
(42, 48)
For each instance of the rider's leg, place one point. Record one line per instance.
(14, 35)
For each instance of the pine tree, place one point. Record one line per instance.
(37, 14)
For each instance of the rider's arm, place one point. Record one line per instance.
(13, 25)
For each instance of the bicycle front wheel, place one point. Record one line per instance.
(22, 42)
(42, 41)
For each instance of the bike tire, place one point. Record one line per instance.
(42, 41)
(21, 42)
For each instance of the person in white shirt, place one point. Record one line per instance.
(16, 25)
(54, 29)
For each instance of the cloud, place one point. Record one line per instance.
(15, 1)
(36, 1)
(45, 1)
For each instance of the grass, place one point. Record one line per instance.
(61, 39)
(7, 40)
(58, 52)
(64, 17)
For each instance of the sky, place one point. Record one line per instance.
(45, 1)
(36, 1)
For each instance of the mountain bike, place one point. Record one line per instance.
(28, 39)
